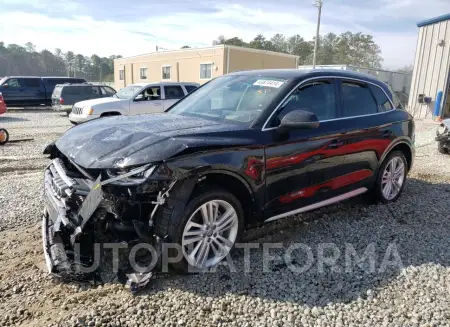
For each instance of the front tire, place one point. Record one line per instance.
(207, 232)
(391, 178)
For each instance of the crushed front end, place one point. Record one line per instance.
(87, 210)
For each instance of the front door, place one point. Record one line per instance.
(148, 101)
(304, 167)
(13, 91)
(172, 93)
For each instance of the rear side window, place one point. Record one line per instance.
(32, 82)
(77, 90)
(106, 90)
(357, 99)
(173, 92)
(317, 97)
(382, 100)
(190, 88)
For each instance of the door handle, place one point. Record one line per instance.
(336, 144)
(387, 133)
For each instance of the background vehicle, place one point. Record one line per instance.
(66, 95)
(31, 90)
(2, 105)
(245, 148)
(134, 99)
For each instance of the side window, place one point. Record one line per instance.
(190, 88)
(382, 100)
(121, 74)
(173, 92)
(106, 90)
(95, 91)
(14, 83)
(32, 82)
(152, 93)
(317, 97)
(357, 99)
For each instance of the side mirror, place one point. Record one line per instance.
(298, 119)
(5, 85)
(139, 97)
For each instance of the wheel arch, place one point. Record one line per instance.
(405, 147)
(231, 182)
(189, 186)
(110, 113)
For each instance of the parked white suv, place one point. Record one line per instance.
(134, 99)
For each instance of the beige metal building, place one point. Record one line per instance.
(429, 95)
(196, 65)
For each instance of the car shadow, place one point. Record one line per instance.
(11, 119)
(404, 235)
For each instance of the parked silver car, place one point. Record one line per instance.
(134, 99)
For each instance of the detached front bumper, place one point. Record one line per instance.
(61, 220)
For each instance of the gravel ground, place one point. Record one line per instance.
(408, 284)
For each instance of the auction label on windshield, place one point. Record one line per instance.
(268, 83)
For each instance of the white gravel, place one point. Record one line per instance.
(414, 291)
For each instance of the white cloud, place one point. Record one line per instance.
(83, 34)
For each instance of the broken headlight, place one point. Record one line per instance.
(129, 177)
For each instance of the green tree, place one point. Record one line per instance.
(279, 43)
(297, 45)
(30, 47)
(237, 41)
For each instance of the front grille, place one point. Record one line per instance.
(77, 110)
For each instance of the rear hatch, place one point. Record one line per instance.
(56, 95)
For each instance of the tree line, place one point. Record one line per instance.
(25, 60)
(347, 48)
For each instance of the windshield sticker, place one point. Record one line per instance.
(268, 83)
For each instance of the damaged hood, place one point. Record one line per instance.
(123, 141)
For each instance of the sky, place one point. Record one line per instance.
(136, 27)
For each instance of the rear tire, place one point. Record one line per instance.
(391, 178)
(196, 237)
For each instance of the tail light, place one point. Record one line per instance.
(61, 101)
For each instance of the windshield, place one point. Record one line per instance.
(128, 92)
(234, 98)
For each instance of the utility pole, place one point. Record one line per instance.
(317, 4)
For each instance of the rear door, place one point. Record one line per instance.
(304, 167)
(172, 93)
(147, 101)
(33, 92)
(369, 128)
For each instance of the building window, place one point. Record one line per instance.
(205, 71)
(166, 71)
(143, 73)
(121, 74)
